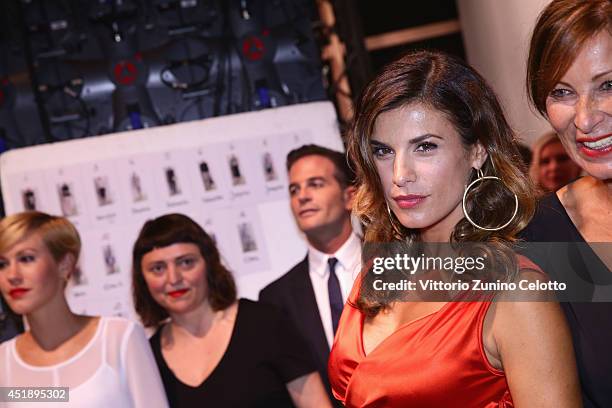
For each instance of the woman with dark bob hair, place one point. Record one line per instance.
(569, 81)
(437, 163)
(212, 349)
(104, 361)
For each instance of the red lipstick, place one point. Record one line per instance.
(18, 293)
(595, 146)
(409, 201)
(177, 293)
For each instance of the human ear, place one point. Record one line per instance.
(479, 155)
(66, 266)
(349, 196)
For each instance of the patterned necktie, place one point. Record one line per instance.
(335, 295)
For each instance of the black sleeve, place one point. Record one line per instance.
(266, 295)
(273, 294)
(292, 357)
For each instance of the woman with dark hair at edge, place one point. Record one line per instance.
(103, 361)
(569, 81)
(211, 349)
(436, 162)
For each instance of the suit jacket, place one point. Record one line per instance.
(293, 293)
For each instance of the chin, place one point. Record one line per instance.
(182, 307)
(311, 227)
(31, 303)
(601, 172)
(23, 308)
(414, 223)
(177, 310)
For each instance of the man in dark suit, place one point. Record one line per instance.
(313, 292)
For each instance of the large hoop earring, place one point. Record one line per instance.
(482, 177)
(398, 231)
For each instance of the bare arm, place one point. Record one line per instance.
(534, 346)
(307, 391)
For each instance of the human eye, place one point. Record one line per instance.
(607, 86)
(425, 147)
(187, 262)
(3, 264)
(560, 93)
(26, 258)
(293, 189)
(381, 151)
(563, 158)
(157, 268)
(316, 183)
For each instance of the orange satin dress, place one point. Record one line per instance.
(435, 361)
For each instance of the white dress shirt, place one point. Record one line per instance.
(347, 269)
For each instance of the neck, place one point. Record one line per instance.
(196, 322)
(598, 191)
(607, 187)
(331, 242)
(54, 323)
(601, 191)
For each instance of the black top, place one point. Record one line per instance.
(264, 354)
(590, 323)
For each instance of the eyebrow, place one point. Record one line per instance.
(602, 74)
(595, 78)
(178, 258)
(314, 178)
(187, 255)
(27, 249)
(412, 141)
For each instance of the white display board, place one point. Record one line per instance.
(227, 173)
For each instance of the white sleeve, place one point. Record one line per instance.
(141, 373)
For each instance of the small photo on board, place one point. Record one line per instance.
(268, 167)
(209, 183)
(236, 173)
(247, 237)
(28, 198)
(102, 191)
(68, 205)
(138, 193)
(172, 182)
(110, 260)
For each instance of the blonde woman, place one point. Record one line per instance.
(551, 167)
(104, 362)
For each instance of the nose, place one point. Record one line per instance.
(13, 274)
(174, 275)
(402, 171)
(588, 114)
(303, 195)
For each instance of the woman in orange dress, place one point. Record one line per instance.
(437, 163)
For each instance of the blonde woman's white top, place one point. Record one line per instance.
(115, 369)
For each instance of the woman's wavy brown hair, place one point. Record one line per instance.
(450, 86)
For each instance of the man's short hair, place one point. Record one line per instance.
(343, 173)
